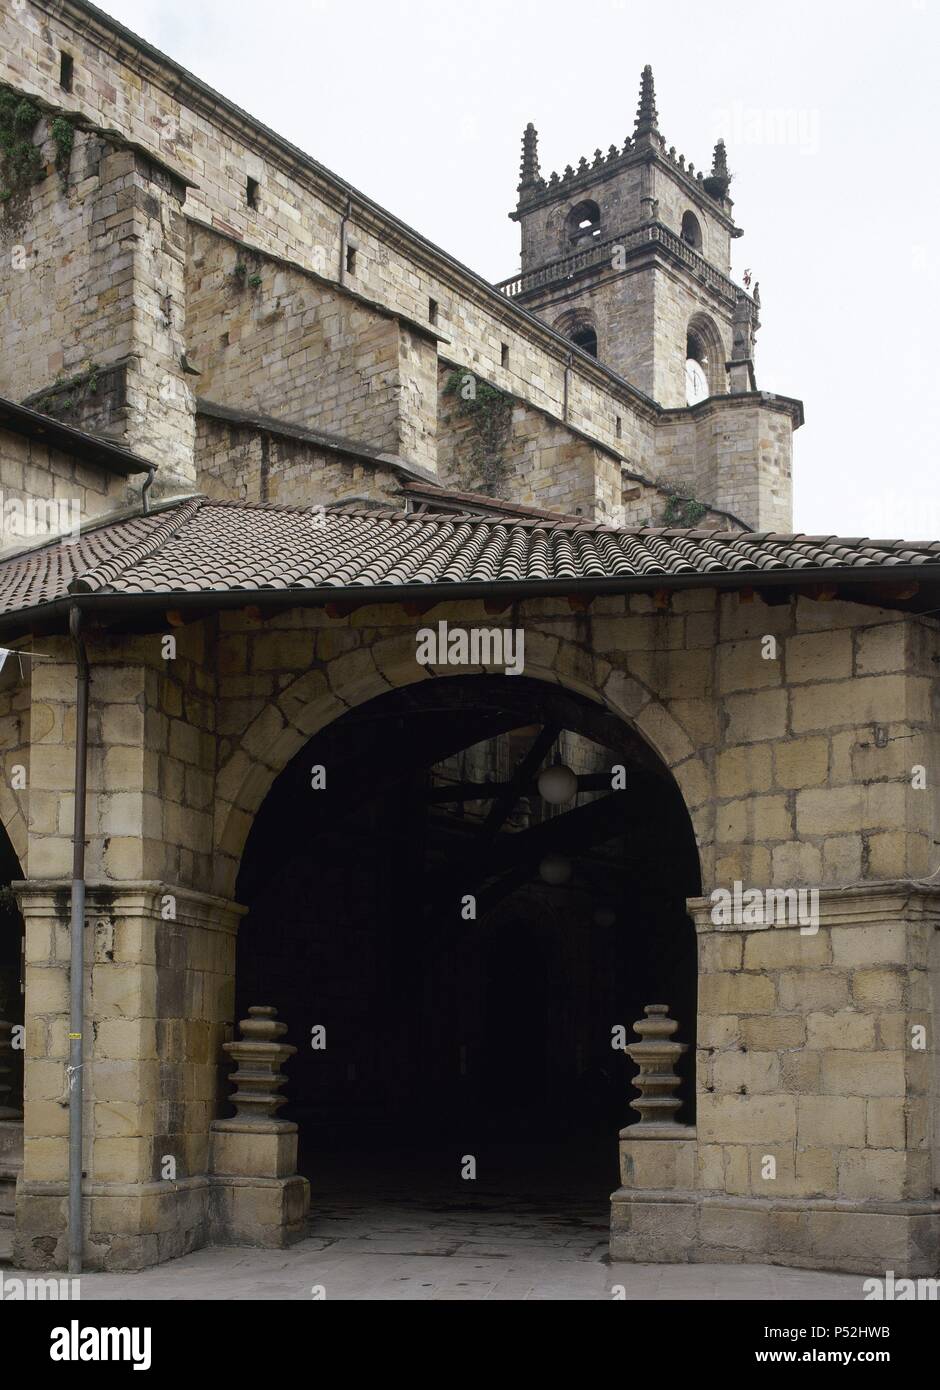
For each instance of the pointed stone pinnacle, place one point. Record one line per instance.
(647, 117)
(529, 168)
(719, 180)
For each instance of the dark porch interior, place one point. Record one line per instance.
(448, 1037)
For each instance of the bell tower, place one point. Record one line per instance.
(629, 256)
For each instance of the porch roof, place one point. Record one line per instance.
(224, 554)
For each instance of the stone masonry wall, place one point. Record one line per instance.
(539, 464)
(736, 453)
(277, 342)
(299, 213)
(30, 469)
(98, 279)
(246, 464)
(795, 767)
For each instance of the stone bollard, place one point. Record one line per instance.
(656, 1056)
(257, 1196)
(652, 1213)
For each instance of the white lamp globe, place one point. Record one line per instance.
(555, 869)
(557, 785)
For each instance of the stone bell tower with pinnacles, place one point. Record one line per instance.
(629, 255)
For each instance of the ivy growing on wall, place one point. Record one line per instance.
(489, 412)
(63, 137)
(20, 159)
(682, 511)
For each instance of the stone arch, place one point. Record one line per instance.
(579, 327)
(583, 223)
(692, 233)
(13, 822)
(704, 344)
(312, 700)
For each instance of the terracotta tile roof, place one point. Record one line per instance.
(199, 546)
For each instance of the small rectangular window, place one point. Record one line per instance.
(504, 354)
(66, 70)
(350, 260)
(619, 428)
(432, 311)
(251, 192)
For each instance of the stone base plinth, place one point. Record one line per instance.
(658, 1156)
(656, 1226)
(127, 1226)
(253, 1153)
(267, 1212)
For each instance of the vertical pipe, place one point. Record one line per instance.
(77, 948)
(145, 491)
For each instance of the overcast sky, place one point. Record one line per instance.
(830, 112)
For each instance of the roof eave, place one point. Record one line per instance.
(109, 601)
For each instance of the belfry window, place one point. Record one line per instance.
(586, 340)
(697, 386)
(583, 222)
(691, 230)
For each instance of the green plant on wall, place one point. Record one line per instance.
(63, 137)
(682, 511)
(489, 412)
(20, 159)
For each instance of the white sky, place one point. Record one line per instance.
(830, 112)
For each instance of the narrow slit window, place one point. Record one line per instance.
(432, 311)
(66, 71)
(619, 427)
(504, 354)
(350, 260)
(251, 192)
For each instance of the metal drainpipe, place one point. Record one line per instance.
(77, 947)
(145, 491)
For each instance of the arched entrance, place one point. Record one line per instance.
(466, 945)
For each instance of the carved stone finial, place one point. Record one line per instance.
(257, 1079)
(719, 180)
(530, 174)
(647, 117)
(656, 1056)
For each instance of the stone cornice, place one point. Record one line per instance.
(858, 905)
(712, 405)
(130, 898)
(565, 188)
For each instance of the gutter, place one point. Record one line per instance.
(108, 601)
(77, 949)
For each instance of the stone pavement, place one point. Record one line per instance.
(445, 1249)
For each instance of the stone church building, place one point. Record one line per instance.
(434, 663)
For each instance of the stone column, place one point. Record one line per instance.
(650, 1219)
(816, 1072)
(257, 1196)
(159, 999)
